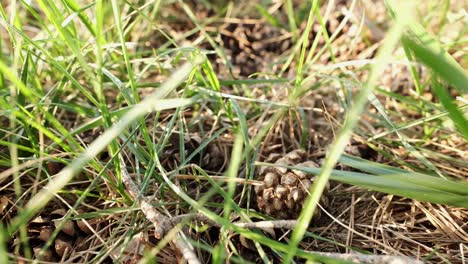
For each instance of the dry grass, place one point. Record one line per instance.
(106, 225)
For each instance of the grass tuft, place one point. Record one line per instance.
(143, 131)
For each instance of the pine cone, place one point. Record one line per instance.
(284, 191)
(212, 158)
(69, 240)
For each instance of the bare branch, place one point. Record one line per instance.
(161, 223)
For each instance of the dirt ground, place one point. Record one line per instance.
(249, 46)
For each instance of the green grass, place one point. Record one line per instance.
(69, 68)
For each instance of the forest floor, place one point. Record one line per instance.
(106, 147)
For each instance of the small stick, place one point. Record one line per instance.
(286, 224)
(362, 258)
(186, 249)
(291, 224)
(264, 225)
(217, 178)
(199, 217)
(161, 223)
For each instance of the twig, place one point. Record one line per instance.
(290, 224)
(217, 178)
(362, 258)
(287, 224)
(265, 225)
(161, 223)
(187, 250)
(187, 217)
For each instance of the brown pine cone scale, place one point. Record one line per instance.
(284, 191)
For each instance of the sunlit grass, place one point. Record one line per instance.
(85, 59)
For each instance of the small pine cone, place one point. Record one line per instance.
(284, 191)
(41, 228)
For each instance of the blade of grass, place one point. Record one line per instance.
(428, 51)
(329, 40)
(228, 82)
(352, 118)
(68, 216)
(304, 43)
(275, 245)
(120, 31)
(291, 18)
(13, 138)
(67, 34)
(404, 184)
(248, 155)
(3, 248)
(233, 170)
(270, 18)
(454, 113)
(52, 60)
(413, 72)
(201, 28)
(416, 123)
(27, 117)
(33, 97)
(404, 141)
(151, 103)
(301, 41)
(73, 5)
(450, 186)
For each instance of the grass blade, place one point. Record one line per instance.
(151, 103)
(460, 188)
(454, 113)
(428, 52)
(345, 132)
(398, 184)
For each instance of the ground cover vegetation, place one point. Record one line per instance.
(233, 131)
